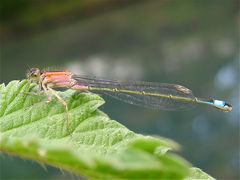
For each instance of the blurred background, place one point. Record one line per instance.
(190, 42)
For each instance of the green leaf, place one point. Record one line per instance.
(196, 173)
(83, 139)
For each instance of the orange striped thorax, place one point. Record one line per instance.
(61, 79)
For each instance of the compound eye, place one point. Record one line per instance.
(35, 72)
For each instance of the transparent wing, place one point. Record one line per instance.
(146, 94)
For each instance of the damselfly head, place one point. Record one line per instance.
(34, 74)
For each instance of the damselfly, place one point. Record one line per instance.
(146, 94)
